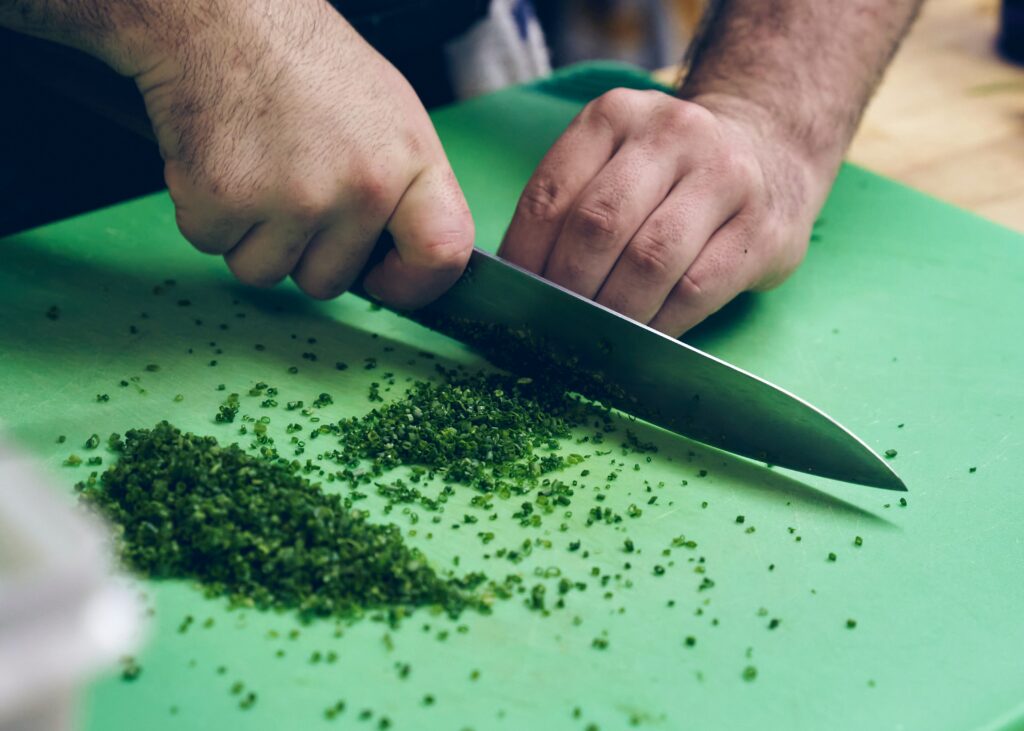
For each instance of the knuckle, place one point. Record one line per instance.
(738, 169)
(615, 101)
(541, 200)
(681, 117)
(650, 255)
(613, 107)
(375, 195)
(690, 289)
(305, 201)
(596, 222)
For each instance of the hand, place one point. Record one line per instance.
(290, 144)
(665, 209)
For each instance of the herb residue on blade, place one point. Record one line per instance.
(256, 531)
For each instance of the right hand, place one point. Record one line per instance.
(290, 145)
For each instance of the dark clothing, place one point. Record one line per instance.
(61, 153)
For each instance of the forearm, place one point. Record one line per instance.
(129, 34)
(807, 67)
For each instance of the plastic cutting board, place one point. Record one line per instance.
(903, 323)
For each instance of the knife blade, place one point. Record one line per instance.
(531, 326)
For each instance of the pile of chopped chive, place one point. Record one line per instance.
(491, 431)
(256, 531)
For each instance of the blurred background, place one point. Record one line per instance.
(948, 119)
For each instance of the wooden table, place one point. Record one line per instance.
(948, 118)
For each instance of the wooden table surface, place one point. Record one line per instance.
(948, 118)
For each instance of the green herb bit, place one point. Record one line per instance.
(333, 711)
(890, 453)
(690, 641)
(72, 460)
(92, 442)
(831, 556)
(740, 518)
(749, 673)
(102, 398)
(228, 410)
(130, 669)
(851, 623)
(858, 541)
(53, 312)
(152, 367)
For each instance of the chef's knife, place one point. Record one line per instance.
(526, 324)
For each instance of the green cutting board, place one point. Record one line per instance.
(902, 323)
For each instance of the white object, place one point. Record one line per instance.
(507, 47)
(64, 614)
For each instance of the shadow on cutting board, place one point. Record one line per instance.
(204, 328)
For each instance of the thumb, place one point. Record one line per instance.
(433, 233)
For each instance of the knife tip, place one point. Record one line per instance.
(889, 480)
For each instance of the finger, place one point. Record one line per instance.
(666, 245)
(571, 163)
(723, 269)
(334, 257)
(213, 222)
(607, 214)
(268, 252)
(433, 234)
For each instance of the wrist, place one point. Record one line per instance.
(818, 151)
(182, 33)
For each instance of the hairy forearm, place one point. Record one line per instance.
(129, 34)
(808, 67)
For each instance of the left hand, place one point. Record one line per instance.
(665, 209)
